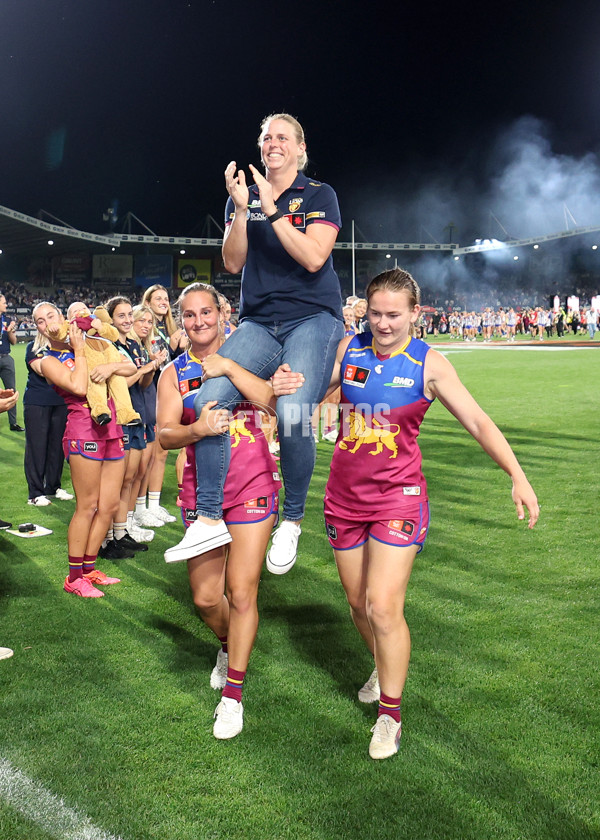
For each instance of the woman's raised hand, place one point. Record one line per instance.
(235, 181)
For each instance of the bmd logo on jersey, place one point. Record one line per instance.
(400, 382)
(354, 375)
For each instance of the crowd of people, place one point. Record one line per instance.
(204, 386)
(505, 323)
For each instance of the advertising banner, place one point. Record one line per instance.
(154, 268)
(193, 271)
(112, 266)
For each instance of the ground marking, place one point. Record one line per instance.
(45, 809)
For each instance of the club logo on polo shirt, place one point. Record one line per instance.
(295, 204)
(295, 219)
(354, 375)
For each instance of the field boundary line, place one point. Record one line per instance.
(45, 809)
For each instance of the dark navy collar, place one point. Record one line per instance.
(299, 183)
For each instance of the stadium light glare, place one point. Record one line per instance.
(515, 258)
(51, 242)
(535, 247)
(182, 251)
(594, 247)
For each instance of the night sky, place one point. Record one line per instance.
(419, 115)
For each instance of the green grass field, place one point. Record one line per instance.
(107, 710)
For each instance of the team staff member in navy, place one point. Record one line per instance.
(45, 415)
(280, 233)
(8, 337)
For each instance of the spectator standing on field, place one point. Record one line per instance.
(8, 337)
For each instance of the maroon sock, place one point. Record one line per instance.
(75, 568)
(234, 685)
(89, 563)
(223, 640)
(389, 706)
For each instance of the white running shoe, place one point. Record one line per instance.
(39, 501)
(146, 520)
(370, 692)
(331, 436)
(229, 719)
(198, 539)
(284, 548)
(63, 495)
(5, 653)
(144, 535)
(218, 677)
(162, 514)
(386, 737)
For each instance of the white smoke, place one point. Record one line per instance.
(537, 191)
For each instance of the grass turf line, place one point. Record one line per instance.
(107, 704)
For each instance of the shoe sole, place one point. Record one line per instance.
(279, 570)
(178, 555)
(227, 737)
(156, 524)
(369, 696)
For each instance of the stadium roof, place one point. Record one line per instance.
(20, 233)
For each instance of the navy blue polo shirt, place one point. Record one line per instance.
(38, 391)
(274, 286)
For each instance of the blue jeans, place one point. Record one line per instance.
(308, 346)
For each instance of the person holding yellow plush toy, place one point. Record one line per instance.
(99, 351)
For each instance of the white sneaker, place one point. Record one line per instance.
(146, 520)
(218, 677)
(63, 495)
(5, 653)
(39, 501)
(370, 692)
(331, 436)
(229, 719)
(198, 539)
(162, 514)
(284, 548)
(140, 534)
(386, 737)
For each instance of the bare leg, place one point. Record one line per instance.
(244, 564)
(207, 582)
(352, 568)
(388, 573)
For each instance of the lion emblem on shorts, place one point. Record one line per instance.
(361, 434)
(238, 430)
